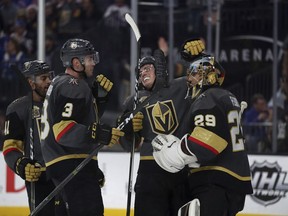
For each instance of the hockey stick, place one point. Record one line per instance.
(86, 160)
(137, 34)
(31, 128)
(66, 180)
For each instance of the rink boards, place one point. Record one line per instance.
(270, 183)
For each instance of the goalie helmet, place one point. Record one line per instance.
(77, 48)
(35, 68)
(210, 71)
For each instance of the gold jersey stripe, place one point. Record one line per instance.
(146, 158)
(72, 156)
(223, 169)
(61, 127)
(12, 143)
(209, 139)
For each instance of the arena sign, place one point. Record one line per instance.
(249, 48)
(242, 55)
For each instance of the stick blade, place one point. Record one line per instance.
(133, 25)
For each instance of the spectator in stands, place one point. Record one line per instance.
(31, 16)
(3, 41)
(2, 121)
(195, 15)
(69, 22)
(51, 17)
(255, 129)
(90, 14)
(50, 47)
(285, 56)
(8, 11)
(282, 113)
(20, 34)
(13, 55)
(116, 12)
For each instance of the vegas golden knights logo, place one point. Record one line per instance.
(162, 117)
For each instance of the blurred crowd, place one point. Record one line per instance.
(102, 23)
(64, 19)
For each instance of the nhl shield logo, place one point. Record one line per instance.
(268, 181)
(162, 117)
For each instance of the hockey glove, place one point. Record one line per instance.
(161, 68)
(192, 49)
(133, 125)
(168, 154)
(101, 178)
(104, 134)
(28, 169)
(101, 86)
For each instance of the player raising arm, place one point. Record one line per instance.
(213, 147)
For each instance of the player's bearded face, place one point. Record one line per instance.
(42, 83)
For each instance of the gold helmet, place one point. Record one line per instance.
(211, 72)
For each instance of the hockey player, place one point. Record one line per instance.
(157, 192)
(71, 128)
(18, 141)
(212, 147)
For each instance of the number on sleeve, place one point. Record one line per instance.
(44, 122)
(234, 117)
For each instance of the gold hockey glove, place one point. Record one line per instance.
(28, 169)
(105, 83)
(133, 125)
(137, 122)
(192, 49)
(115, 136)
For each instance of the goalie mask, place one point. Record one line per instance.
(204, 73)
(36, 68)
(77, 48)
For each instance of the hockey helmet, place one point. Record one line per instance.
(147, 60)
(35, 68)
(211, 72)
(77, 48)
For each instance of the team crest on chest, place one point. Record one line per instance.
(36, 112)
(162, 117)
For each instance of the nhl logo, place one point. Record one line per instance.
(268, 181)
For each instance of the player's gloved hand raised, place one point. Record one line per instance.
(192, 49)
(104, 134)
(105, 83)
(28, 169)
(101, 178)
(101, 86)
